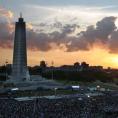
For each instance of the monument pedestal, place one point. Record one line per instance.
(35, 82)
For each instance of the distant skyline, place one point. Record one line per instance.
(63, 31)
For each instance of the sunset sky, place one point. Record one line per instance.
(63, 31)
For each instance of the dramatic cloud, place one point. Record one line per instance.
(113, 42)
(99, 33)
(5, 13)
(102, 32)
(67, 37)
(43, 41)
(6, 28)
(103, 29)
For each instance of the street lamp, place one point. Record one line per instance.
(98, 87)
(52, 70)
(6, 68)
(88, 96)
(55, 89)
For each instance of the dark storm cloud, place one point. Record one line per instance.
(113, 42)
(5, 28)
(101, 32)
(42, 41)
(104, 31)
(67, 29)
(5, 35)
(38, 41)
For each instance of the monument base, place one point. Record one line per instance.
(35, 82)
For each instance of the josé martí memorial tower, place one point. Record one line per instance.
(20, 75)
(19, 67)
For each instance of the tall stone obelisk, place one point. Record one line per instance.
(19, 69)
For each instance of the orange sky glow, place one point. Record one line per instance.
(96, 56)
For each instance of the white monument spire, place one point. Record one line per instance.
(20, 14)
(19, 69)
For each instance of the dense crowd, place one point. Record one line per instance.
(88, 107)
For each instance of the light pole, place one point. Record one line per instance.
(6, 68)
(52, 70)
(34, 107)
(55, 90)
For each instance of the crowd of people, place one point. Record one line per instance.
(88, 107)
